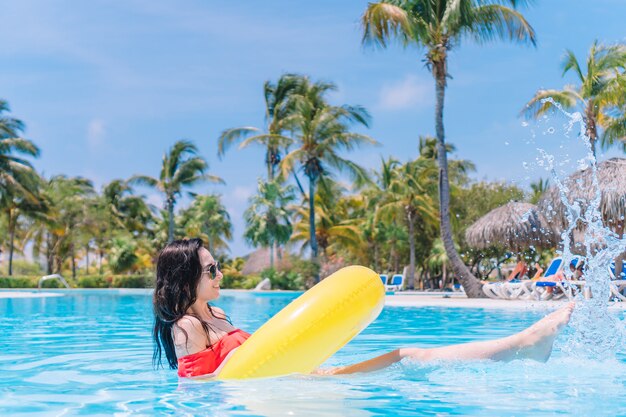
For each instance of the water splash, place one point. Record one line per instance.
(598, 333)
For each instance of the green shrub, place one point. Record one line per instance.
(307, 270)
(236, 280)
(284, 280)
(25, 268)
(19, 282)
(82, 281)
(133, 281)
(93, 281)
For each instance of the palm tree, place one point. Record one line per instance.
(116, 211)
(438, 26)
(128, 210)
(538, 188)
(182, 167)
(57, 234)
(600, 90)
(438, 261)
(267, 219)
(18, 180)
(278, 111)
(335, 225)
(15, 205)
(322, 131)
(408, 200)
(208, 219)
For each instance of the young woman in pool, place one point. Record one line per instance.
(198, 339)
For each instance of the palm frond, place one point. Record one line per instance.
(383, 22)
(540, 104)
(20, 145)
(495, 21)
(143, 180)
(570, 62)
(231, 136)
(614, 131)
(358, 174)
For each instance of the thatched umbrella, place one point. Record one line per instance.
(611, 176)
(259, 260)
(515, 226)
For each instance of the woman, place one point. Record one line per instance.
(198, 339)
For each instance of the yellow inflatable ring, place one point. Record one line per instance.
(311, 328)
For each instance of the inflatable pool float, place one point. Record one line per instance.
(309, 330)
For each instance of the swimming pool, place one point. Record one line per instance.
(89, 353)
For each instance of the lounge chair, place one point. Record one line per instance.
(546, 290)
(384, 278)
(618, 284)
(396, 283)
(524, 289)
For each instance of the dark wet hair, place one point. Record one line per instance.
(178, 272)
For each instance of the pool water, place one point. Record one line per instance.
(89, 353)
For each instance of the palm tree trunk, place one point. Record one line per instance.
(470, 283)
(411, 277)
(87, 259)
(73, 259)
(100, 256)
(49, 257)
(312, 237)
(375, 257)
(272, 256)
(12, 225)
(270, 165)
(170, 219)
(396, 261)
(299, 183)
(591, 126)
(621, 258)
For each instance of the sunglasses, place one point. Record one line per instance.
(212, 270)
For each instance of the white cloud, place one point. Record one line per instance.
(407, 93)
(96, 130)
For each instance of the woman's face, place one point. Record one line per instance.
(208, 288)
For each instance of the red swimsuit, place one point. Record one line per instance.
(209, 360)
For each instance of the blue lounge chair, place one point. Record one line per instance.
(568, 288)
(396, 283)
(524, 289)
(618, 284)
(384, 278)
(612, 271)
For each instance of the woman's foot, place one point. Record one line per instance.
(537, 340)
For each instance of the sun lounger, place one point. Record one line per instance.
(524, 289)
(396, 283)
(617, 284)
(384, 278)
(554, 290)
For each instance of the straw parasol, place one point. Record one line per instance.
(611, 176)
(259, 260)
(516, 226)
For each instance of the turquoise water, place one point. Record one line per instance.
(89, 353)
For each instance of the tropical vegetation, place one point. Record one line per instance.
(316, 208)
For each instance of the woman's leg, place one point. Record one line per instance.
(534, 342)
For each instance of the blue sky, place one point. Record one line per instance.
(106, 87)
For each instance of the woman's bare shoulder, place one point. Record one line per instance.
(189, 335)
(218, 312)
